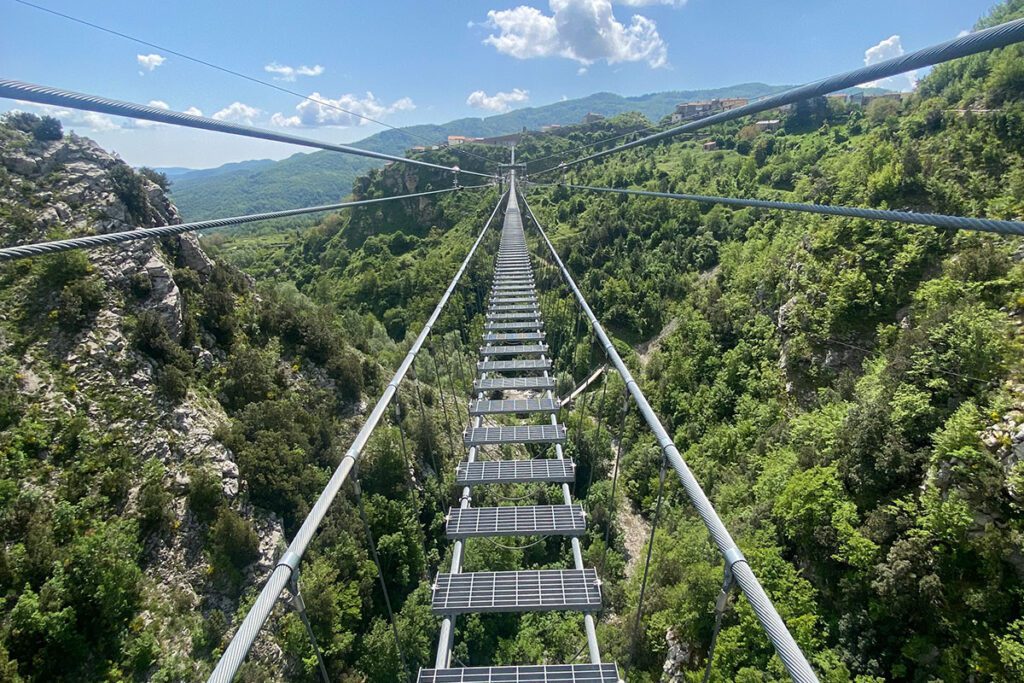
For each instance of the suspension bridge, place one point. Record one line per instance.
(513, 406)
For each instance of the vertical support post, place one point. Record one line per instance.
(299, 605)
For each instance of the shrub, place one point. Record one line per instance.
(173, 383)
(160, 179)
(234, 540)
(47, 128)
(151, 337)
(20, 120)
(127, 185)
(78, 303)
(154, 500)
(204, 495)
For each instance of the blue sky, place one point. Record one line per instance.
(432, 61)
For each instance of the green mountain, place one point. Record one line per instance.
(325, 177)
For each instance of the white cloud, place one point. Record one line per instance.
(323, 111)
(159, 104)
(585, 31)
(290, 73)
(237, 112)
(149, 62)
(499, 101)
(963, 33)
(194, 111)
(889, 48)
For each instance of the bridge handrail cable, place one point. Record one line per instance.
(40, 94)
(90, 241)
(980, 41)
(938, 220)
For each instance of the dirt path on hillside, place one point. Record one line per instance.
(635, 532)
(644, 350)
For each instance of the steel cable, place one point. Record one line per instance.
(238, 74)
(91, 241)
(41, 94)
(980, 41)
(992, 225)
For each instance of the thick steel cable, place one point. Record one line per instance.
(102, 240)
(936, 220)
(244, 638)
(980, 41)
(238, 74)
(789, 652)
(41, 94)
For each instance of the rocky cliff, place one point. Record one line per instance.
(103, 424)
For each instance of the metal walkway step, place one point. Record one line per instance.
(505, 337)
(543, 471)
(496, 309)
(514, 315)
(522, 349)
(516, 520)
(543, 590)
(546, 673)
(516, 406)
(534, 383)
(514, 365)
(506, 300)
(533, 324)
(518, 434)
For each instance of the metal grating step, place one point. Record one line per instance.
(503, 308)
(546, 673)
(543, 590)
(514, 365)
(514, 315)
(508, 434)
(561, 471)
(516, 406)
(504, 337)
(516, 520)
(533, 324)
(521, 349)
(535, 383)
(499, 300)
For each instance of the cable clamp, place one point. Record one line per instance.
(290, 560)
(733, 555)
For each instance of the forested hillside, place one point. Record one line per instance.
(849, 392)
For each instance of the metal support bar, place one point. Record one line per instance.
(240, 645)
(299, 605)
(789, 652)
(728, 581)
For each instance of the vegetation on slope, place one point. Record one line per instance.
(848, 392)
